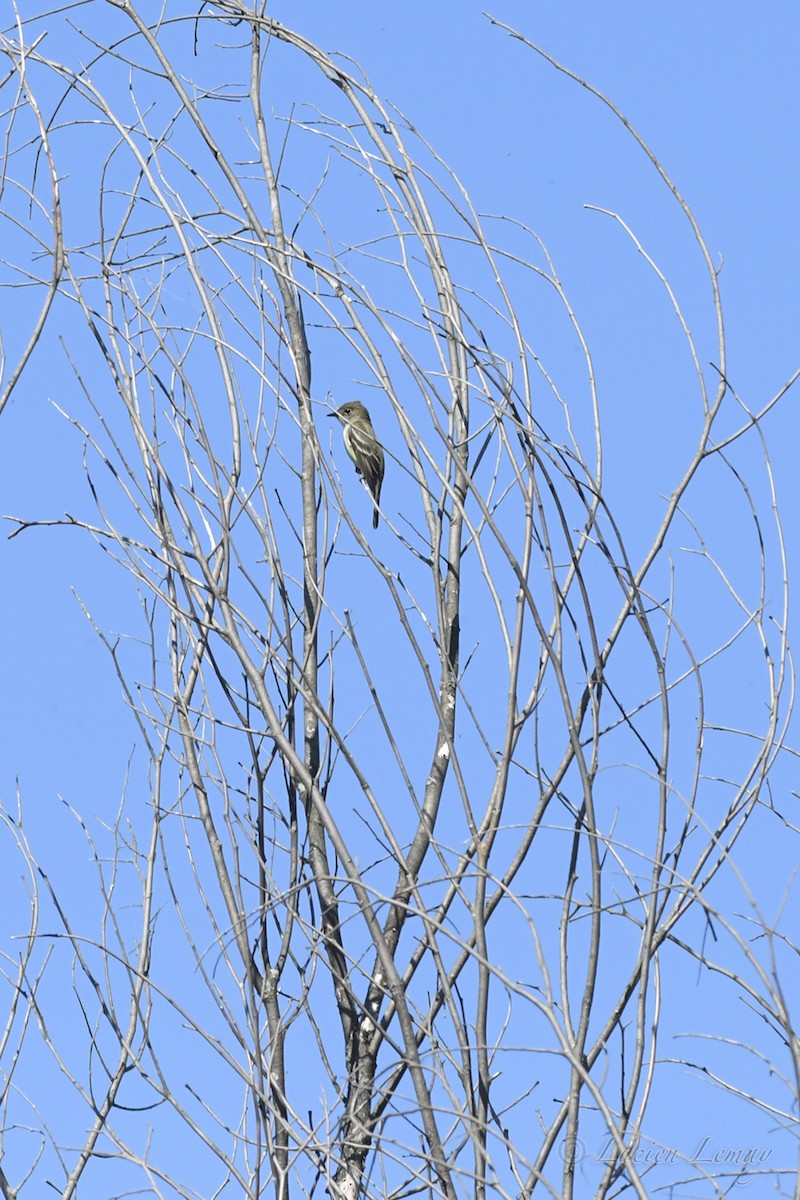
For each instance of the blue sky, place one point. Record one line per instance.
(713, 88)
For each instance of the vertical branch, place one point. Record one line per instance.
(27, 99)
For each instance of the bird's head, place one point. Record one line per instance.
(349, 411)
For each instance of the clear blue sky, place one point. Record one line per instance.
(713, 88)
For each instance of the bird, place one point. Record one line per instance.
(363, 448)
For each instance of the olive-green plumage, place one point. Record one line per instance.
(363, 448)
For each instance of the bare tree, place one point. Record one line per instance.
(436, 817)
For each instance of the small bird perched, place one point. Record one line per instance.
(363, 448)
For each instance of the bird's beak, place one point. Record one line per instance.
(331, 414)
